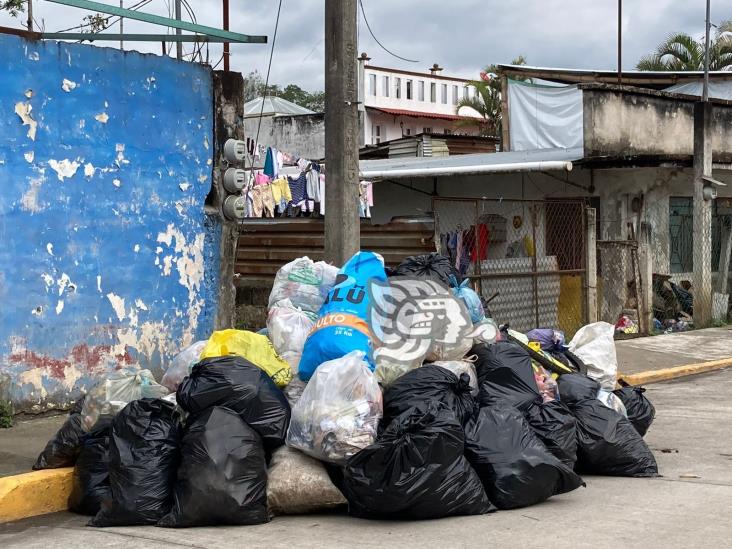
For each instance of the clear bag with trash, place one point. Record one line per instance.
(117, 390)
(459, 367)
(339, 410)
(288, 328)
(181, 365)
(304, 282)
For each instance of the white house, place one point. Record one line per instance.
(399, 103)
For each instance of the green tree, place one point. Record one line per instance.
(13, 7)
(486, 101)
(254, 87)
(681, 52)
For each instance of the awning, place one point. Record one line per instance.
(421, 114)
(471, 164)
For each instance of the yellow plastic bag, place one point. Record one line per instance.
(256, 348)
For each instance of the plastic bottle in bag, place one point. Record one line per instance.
(181, 365)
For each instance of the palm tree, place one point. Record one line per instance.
(681, 52)
(486, 101)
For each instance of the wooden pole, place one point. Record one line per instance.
(505, 120)
(342, 225)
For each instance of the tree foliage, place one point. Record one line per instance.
(13, 7)
(681, 52)
(486, 101)
(254, 87)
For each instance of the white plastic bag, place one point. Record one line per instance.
(390, 366)
(299, 484)
(449, 351)
(595, 346)
(611, 400)
(288, 328)
(339, 410)
(181, 365)
(458, 367)
(304, 282)
(112, 394)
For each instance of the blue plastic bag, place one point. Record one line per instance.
(342, 324)
(470, 298)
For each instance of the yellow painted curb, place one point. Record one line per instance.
(35, 493)
(666, 374)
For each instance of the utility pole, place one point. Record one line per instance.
(620, 41)
(30, 16)
(121, 28)
(342, 224)
(178, 32)
(226, 27)
(702, 254)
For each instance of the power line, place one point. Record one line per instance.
(360, 2)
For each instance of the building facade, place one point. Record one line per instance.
(399, 103)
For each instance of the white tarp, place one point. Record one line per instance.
(544, 117)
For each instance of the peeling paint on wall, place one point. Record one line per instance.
(84, 271)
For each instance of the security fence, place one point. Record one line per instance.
(527, 258)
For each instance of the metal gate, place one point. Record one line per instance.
(526, 256)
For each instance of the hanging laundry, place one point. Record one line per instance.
(263, 201)
(270, 166)
(281, 193)
(261, 179)
(313, 183)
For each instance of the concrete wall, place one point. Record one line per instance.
(107, 257)
(302, 135)
(622, 124)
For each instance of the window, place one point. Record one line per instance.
(409, 90)
(385, 86)
(426, 129)
(447, 131)
(397, 88)
(376, 131)
(372, 84)
(455, 95)
(408, 131)
(433, 92)
(681, 234)
(444, 93)
(421, 90)
(466, 93)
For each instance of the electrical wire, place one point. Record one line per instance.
(360, 3)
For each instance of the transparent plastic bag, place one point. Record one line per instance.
(458, 367)
(181, 365)
(298, 484)
(339, 410)
(120, 388)
(442, 351)
(390, 366)
(612, 401)
(288, 328)
(304, 282)
(594, 344)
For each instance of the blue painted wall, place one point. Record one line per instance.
(106, 255)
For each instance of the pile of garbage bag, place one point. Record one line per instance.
(337, 406)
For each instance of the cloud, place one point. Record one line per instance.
(462, 36)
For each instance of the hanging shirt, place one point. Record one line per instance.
(270, 168)
(281, 192)
(313, 184)
(298, 188)
(321, 188)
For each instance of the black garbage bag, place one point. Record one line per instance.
(608, 444)
(514, 465)
(64, 447)
(77, 406)
(431, 267)
(556, 427)
(505, 374)
(576, 387)
(423, 387)
(222, 478)
(235, 383)
(415, 470)
(91, 473)
(143, 458)
(641, 412)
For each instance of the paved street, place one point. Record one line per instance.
(685, 508)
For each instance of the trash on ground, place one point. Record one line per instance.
(594, 344)
(342, 324)
(339, 410)
(222, 477)
(299, 484)
(143, 457)
(640, 411)
(181, 365)
(63, 448)
(459, 367)
(515, 467)
(255, 348)
(431, 267)
(288, 328)
(305, 283)
(90, 485)
(237, 384)
(404, 474)
(556, 427)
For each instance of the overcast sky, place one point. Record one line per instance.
(461, 35)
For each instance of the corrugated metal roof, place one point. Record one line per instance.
(273, 106)
(401, 165)
(421, 114)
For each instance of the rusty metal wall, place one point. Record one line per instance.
(530, 252)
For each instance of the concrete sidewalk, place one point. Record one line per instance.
(683, 508)
(678, 349)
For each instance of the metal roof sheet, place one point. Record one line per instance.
(273, 106)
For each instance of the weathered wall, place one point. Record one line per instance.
(621, 124)
(302, 135)
(107, 257)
